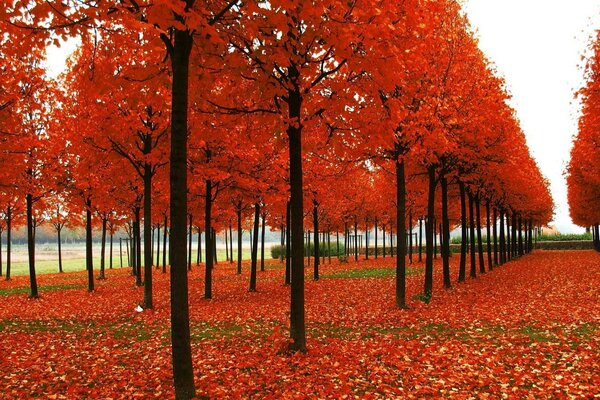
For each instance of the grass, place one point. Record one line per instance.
(41, 289)
(370, 273)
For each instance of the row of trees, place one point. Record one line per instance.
(583, 175)
(331, 115)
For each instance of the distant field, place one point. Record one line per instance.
(73, 256)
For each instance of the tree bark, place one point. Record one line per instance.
(138, 251)
(262, 242)
(60, 266)
(254, 247)
(495, 234)
(401, 238)
(207, 241)
(165, 234)
(316, 240)
(88, 245)
(462, 271)
(473, 272)
(479, 238)
(288, 255)
(445, 233)
(183, 375)
(239, 239)
(502, 239)
(31, 248)
(189, 248)
(8, 241)
(103, 250)
(429, 233)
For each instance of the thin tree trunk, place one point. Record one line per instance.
(495, 234)
(262, 243)
(488, 235)
(502, 239)
(189, 247)
(429, 234)
(472, 236)
(410, 238)
(445, 233)
(110, 258)
(88, 245)
(376, 243)
(401, 238)
(103, 250)
(239, 239)
(157, 246)
(254, 248)
(316, 240)
(479, 238)
(420, 239)
(60, 266)
(355, 239)
(383, 234)
(121, 252)
(462, 271)
(138, 252)
(207, 241)
(31, 248)
(8, 241)
(165, 234)
(288, 272)
(199, 246)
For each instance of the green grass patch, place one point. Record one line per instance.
(41, 289)
(370, 273)
(565, 237)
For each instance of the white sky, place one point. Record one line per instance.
(537, 47)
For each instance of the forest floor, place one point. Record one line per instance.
(528, 329)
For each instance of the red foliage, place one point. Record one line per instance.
(529, 328)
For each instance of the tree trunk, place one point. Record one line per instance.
(355, 239)
(183, 374)
(420, 239)
(462, 271)
(489, 235)
(230, 243)
(383, 234)
(520, 225)
(239, 239)
(110, 258)
(121, 252)
(288, 271)
(157, 246)
(165, 234)
(502, 239)
(445, 233)
(495, 234)
(31, 248)
(410, 238)
(429, 234)
(376, 243)
(254, 248)
(60, 266)
(262, 243)
(138, 251)
(88, 245)
(401, 238)
(8, 241)
(479, 237)
(189, 247)
(316, 240)
(103, 250)
(513, 235)
(473, 273)
(294, 131)
(508, 238)
(207, 241)
(199, 246)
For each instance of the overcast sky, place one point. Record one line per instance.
(537, 47)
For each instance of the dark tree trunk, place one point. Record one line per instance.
(316, 240)
(434, 239)
(138, 251)
(401, 238)
(226, 246)
(473, 273)
(520, 225)
(8, 241)
(420, 239)
(376, 243)
(502, 239)
(103, 250)
(129, 242)
(355, 239)
(60, 266)
(288, 254)
(165, 234)
(31, 248)
(1, 252)
(508, 238)
(445, 233)
(479, 238)
(346, 240)
(189, 247)
(88, 245)
(230, 243)
(239, 239)
(329, 244)
(254, 248)
(183, 374)
(489, 235)
(294, 131)
(121, 252)
(208, 247)
(262, 243)
(366, 239)
(383, 234)
(513, 235)
(214, 244)
(429, 234)
(199, 245)
(462, 271)
(495, 233)
(410, 238)
(157, 246)
(110, 248)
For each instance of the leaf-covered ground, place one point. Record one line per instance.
(529, 329)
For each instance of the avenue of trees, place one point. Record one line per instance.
(583, 175)
(323, 115)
